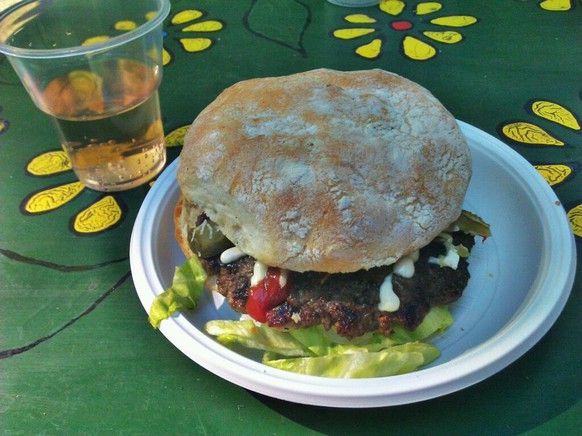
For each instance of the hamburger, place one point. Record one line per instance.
(328, 199)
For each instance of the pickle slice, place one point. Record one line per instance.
(473, 224)
(207, 240)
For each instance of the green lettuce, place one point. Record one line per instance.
(187, 285)
(308, 350)
(354, 363)
(256, 336)
(316, 351)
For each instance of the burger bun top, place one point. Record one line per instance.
(326, 170)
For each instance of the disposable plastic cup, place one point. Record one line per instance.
(95, 67)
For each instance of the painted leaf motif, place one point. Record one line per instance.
(166, 57)
(446, 37)
(125, 25)
(51, 198)
(556, 5)
(204, 26)
(528, 133)
(370, 50)
(454, 20)
(186, 15)
(193, 45)
(95, 39)
(575, 217)
(359, 19)
(392, 7)
(4, 124)
(427, 7)
(97, 217)
(295, 15)
(176, 137)
(350, 33)
(556, 113)
(554, 173)
(51, 162)
(416, 49)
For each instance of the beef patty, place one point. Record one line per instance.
(349, 301)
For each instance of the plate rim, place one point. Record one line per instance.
(453, 375)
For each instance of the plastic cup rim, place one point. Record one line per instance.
(114, 41)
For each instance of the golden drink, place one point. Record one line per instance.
(109, 122)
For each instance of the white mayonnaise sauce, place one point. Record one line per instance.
(259, 273)
(230, 255)
(283, 274)
(451, 258)
(404, 267)
(389, 301)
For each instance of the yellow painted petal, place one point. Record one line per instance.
(51, 198)
(352, 33)
(359, 19)
(371, 50)
(417, 49)
(166, 57)
(554, 173)
(193, 45)
(95, 39)
(454, 20)
(51, 162)
(185, 16)
(125, 25)
(176, 137)
(204, 26)
(446, 37)
(528, 133)
(99, 216)
(555, 113)
(427, 8)
(556, 5)
(392, 7)
(150, 15)
(575, 217)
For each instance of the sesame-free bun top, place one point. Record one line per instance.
(326, 170)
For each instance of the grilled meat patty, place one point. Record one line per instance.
(349, 301)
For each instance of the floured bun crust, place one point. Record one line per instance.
(182, 219)
(326, 170)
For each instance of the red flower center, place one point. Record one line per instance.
(401, 25)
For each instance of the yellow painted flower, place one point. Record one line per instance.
(370, 31)
(193, 37)
(103, 214)
(192, 29)
(531, 134)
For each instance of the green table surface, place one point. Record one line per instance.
(76, 352)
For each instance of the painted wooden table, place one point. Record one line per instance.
(76, 352)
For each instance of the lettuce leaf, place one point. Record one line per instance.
(316, 351)
(309, 350)
(256, 336)
(187, 285)
(398, 359)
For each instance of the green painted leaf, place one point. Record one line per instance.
(283, 23)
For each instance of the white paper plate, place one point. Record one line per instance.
(520, 280)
